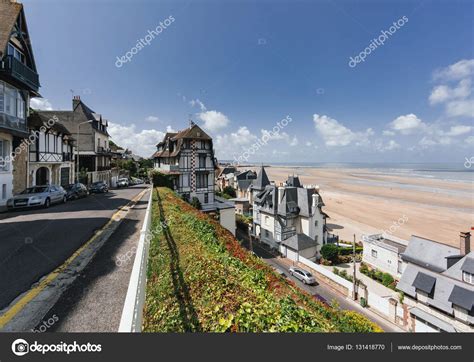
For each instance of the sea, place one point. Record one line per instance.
(458, 172)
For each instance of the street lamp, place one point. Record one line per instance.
(77, 148)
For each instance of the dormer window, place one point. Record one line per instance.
(468, 277)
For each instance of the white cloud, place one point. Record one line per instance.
(456, 99)
(407, 124)
(214, 120)
(462, 69)
(142, 142)
(458, 130)
(308, 144)
(41, 104)
(152, 119)
(294, 141)
(336, 134)
(388, 133)
(197, 102)
(443, 93)
(460, 108)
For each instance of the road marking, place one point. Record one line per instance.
(33, 292)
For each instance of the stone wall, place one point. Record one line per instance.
(19, 165)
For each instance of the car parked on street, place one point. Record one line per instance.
(98, 187)
(123, 182)
(305, 276)
(76, 191)
(38, 196)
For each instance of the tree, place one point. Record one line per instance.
(229, 191)
(330, 252)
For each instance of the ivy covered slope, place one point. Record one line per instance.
(201, 279)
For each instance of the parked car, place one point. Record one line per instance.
(76, 191)
(37, 196)
(305, 276)
(98, 187)
(123, 182)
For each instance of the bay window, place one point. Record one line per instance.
(4, 153)
(11, 101)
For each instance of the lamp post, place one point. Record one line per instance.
(77, 148)
(354, 292)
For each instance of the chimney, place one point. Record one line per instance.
(465, 242)
(315, 200)
(75, 102)
(281, 189)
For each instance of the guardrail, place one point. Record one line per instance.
(132, 313)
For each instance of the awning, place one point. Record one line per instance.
(444, 326)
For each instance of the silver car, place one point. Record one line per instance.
(305, 276)
(38, 196)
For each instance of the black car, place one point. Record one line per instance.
(98, 187)
(76, 191)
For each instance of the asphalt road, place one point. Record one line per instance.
(35, 242)
(320, 289)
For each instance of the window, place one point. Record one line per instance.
(2, 97)
(468, 277)
(4, 192)
(10, 100)
(399, 267)
(374, 253)
(202, 161)
(17, 54)
(201, 179)
(206, 198)
(4, 151)
(316, 223)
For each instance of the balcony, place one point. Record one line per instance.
(20, 72)
(168, 168)
(103, 168)
(14, 124)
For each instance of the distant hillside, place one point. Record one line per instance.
(201, 279)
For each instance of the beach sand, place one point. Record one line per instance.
(362, 201)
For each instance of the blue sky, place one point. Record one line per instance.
(239, 67)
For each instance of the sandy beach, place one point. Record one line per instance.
(363, 201)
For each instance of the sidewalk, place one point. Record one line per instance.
(95, 301)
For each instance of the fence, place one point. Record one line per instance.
(132, 313)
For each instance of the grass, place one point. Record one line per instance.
(201, 280)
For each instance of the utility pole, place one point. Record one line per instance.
(354, 293)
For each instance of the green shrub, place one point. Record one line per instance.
(330, 252)
(161, 180)
(387, 279)
(196, 203)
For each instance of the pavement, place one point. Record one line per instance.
(320, 289)
(94, 302)
(36, 244)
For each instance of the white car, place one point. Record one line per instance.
(38, 196)
(123, 182)
(305, 276)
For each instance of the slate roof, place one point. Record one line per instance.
(244, 184)
(428, 253)
(293, 181)
(424, 282)
(468, 265)
(261, 181)
(192, 132)
(299, 242)
(247, 175)
(462, 297)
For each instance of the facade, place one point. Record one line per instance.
(19, 81)
(438, 284)
(225, 177)
(289, 217)
(384, 252)
(51, 157)
(92, 140)
(188, 156)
